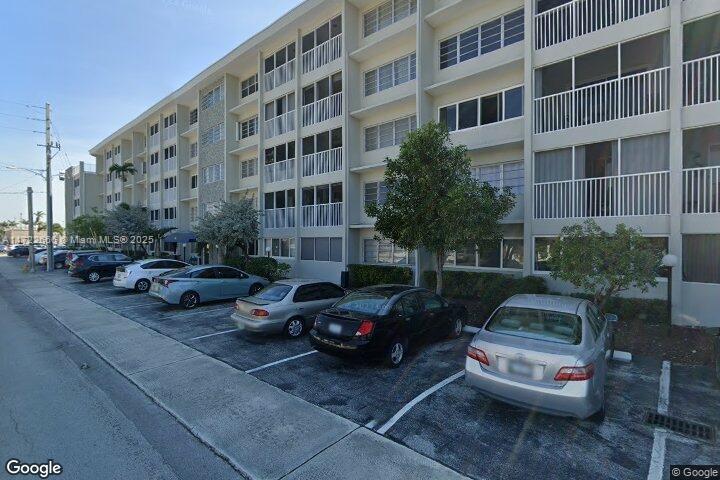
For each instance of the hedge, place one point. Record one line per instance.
(365, 275)
(266, 267)
(648, 310)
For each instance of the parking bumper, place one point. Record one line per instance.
(257, 325)
(574, 399)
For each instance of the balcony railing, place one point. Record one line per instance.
(280, 75)
(279, 171)
(702, 80)
(170, 132)
(280, 124)
(155, 170)
(322, 215)
(193, 117)
(323, 54)
(322, 109)
(701, 190)
(279, 217)
(615, 196)
(154, 200)
(580, 17)
(322, 162)
(155, 140)
(170, 163)
(169, 223)
(623, 97)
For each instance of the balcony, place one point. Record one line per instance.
(281, 124)
(169, 223)
(623, 97)
(155, 140)
(154, 200)
(155, 170)
(701, 80)
(322, 215)
(279, 171)
(279, 217)
(280, 75)
(580, 17)
(323, 54)
(170, 132)
(170, 164)
(613, 196)
(193, 117)
(701, 190)
(322, 109)
(322, 162)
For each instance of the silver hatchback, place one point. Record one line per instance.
(287, 306)
(544, 352)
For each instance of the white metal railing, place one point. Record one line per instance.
(279, 217)
(170, 132)
(324, 53)
(615, 196)
(76, 192)
(155, 140)
(169, 223)
(701, 190)
(280, 75)
(155, 170)
(280, 124)
(322, 162)
(580, 17)
(322, 215)
(170, 163)
(279, 171)
(701, 80)
(154, 200)
(638, 94)
(322, 109)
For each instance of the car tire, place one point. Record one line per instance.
(456, 328)
(142, 285)
(93, 277)
(189, 300)
(254, 288)
(396, 351)
(294, 328)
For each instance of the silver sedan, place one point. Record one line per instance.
(287, 306)
(544, 352)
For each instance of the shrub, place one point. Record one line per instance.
(266, 267)
(648, 310)
(365, 275)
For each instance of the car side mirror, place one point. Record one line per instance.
(611, 317)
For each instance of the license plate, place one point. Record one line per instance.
(335, 328)
(521, 368)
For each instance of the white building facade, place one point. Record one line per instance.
(604, 109)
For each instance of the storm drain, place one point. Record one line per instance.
(680, 426)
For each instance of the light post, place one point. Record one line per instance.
(669, 261)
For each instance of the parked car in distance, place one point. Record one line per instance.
(70, 255)
(381, 321)
(544, 352)
(190, 286)
(3, 248)
(287, 306)
(92, 267)
(138, 275)
(38, 253)
(58, 258)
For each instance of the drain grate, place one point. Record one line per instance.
(680, 426)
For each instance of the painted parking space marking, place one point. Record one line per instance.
(278, 362)
(657, 457)
(388, 425)
(138, 306)
(213, 334)
(197, 312)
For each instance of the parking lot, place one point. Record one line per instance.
(426, 405)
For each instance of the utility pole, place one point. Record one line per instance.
(31, 231)
(48, 191)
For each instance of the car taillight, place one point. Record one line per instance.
(477, 354)
(366, 327)
(259, 312)
(166, 282)
(575, 374)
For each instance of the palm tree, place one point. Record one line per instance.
(123, 170)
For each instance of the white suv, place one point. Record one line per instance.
(138, 275)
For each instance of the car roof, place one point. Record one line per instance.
(554, 303)
(300, 281)
(148, 260)
(389, 290)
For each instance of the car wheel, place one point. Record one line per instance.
(456, 328)
(93, 277)
(254, 288)
(189, 300)
(396, 352)
(294, 327)
(142, 285)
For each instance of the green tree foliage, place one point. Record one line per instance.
(123, 170)
(88, 226)
(434, 203)
(603, 264)
(233, 224)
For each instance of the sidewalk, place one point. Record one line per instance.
(261, 430)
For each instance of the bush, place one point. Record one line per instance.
(648, 310)
(365, 275)
(266, 267)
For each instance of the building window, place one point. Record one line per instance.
(193, 150)
(193, 116)
(170, 213)
(170, 120)
(249, 86)
(154, 158)
(211, 98)
(386, 252)
(144, 168)
(279, 153)
(322, 34)
(169, 152)
(117, 197)
(280, 58)
(280, 247)
(374, 193)
(322, 194)
(321, 249)
(213, 173)
(542, 253)
(213, 135)
(486, 38)
(484, 110)
(390, 75)
(507, 254)
(322, 141)
(155, 186)
(170, 182)
(154, 215)
(248, 168)
(389, 133)
(386, 14)
(193, 181)
(701, 258)
(322, 88)
(511, 175)
(280, 106)
(154, 129)
(248, 128)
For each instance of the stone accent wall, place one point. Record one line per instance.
(210, 154)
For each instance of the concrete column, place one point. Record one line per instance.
(528, 95)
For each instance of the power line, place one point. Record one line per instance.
(24, 104)
(20, 129)
(21, 116)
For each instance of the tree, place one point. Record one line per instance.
(434, 203)
(233, 224)
(125, 222)
(123, 170)
(87, 228)
(604, 264)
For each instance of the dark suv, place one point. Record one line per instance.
(91, 267)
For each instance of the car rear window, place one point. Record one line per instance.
(363, 302)
(180, 273)
(536, 324)
(273, 292)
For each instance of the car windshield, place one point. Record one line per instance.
(179, 273)
(363, 302)
(273, 292)
(537, 324)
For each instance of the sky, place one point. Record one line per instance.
(100, 64)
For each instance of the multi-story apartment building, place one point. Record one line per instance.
(83, 191)
(584, 108)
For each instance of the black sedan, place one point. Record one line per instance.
(381, 321)
(91, 267)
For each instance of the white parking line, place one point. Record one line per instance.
(657, 457)
(272, 364)
(195, 312)
(212, 334)
(138, 306)
(417, 400)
